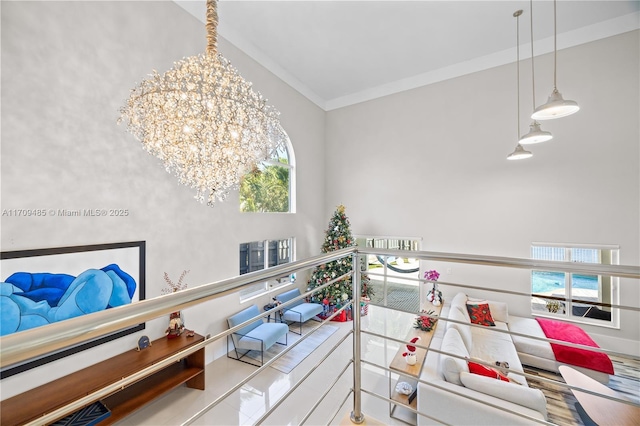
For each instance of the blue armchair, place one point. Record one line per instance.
(299, 311)
(257, 336)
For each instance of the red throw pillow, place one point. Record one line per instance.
(480, 314)
(483, 370)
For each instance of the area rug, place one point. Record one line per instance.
(295, 356)
(560, 400)
(399, 296)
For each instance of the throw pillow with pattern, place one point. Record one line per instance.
(479, 313)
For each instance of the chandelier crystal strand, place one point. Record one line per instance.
(204, 121)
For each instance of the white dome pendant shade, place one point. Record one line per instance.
(519, 153)
(536, 134)
(556, 106)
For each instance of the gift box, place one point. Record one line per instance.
(341, 317)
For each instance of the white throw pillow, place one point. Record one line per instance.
(518, 394)
(464, 330)
(499, 311)
(452, 367)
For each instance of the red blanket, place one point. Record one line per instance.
(575, 356)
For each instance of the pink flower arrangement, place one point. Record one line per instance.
(432, 275)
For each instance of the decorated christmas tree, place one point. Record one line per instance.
(338, 236)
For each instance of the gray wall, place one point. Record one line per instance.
(67, 68)
(431, 162)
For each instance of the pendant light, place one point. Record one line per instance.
(519, 153)
(556, 106)
(536, 134)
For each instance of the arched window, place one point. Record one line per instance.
(271, 186)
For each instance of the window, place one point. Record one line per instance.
(258, 255)
(567, 286)
(270, 186)
(403, 265)
(397, 285)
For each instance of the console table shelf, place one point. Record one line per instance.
(399, 364)
(34, 403)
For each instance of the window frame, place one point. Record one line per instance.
(258, 290)
(567, 315)
(291, 166)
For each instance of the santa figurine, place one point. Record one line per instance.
(176, 327)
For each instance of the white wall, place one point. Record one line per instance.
(428, 162)
(67, 67)
(431, 162)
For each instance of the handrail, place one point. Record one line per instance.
(624, 271)
(27, 344)
(54, 415)
(21, 346)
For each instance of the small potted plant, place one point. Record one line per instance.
(553, 306)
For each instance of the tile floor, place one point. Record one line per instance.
(248, 405)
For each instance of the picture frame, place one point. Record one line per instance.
(60, 280)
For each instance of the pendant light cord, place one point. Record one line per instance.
(533, 78)
(555, 46)
(211, 25)
(517, 15)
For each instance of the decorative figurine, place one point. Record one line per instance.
(143, 343)
(176, 327)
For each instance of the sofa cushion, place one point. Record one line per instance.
(459, 301)
(302, 312)
(451, 366)
(499, 310)
(491, 345)
(244, 315)
(530, 327)
(464, 330)
(288, 295)
(299, 311)
(480, 314)
(521, 395)
(262, 337)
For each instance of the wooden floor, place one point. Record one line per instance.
(560, 400)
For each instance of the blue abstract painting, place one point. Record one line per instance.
(44, 286)
(29, 300)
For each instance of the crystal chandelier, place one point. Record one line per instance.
(204, 121)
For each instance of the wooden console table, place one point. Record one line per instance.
(399, 364)
(30, 405)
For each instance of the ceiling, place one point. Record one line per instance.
(338, 53)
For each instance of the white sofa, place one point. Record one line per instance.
(494, 402)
